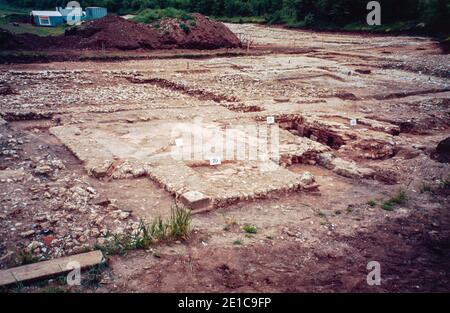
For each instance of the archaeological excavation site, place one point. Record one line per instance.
(226, 158)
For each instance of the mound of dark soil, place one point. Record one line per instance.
(442, 152)
(198, 33)
(445, 46)
(115, 33)
(7, 40)
(112, 32)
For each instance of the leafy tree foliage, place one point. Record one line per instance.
(433, 13)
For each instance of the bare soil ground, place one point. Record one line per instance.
(114, 32)
(84, 152)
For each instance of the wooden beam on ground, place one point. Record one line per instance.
(45, 269)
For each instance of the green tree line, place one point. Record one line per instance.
(432, 14)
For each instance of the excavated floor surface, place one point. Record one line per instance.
(88, 146)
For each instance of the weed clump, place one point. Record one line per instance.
(442, 186)
(250, 229)
(149, 16)
(179, 223)
(185, 28)
(176, 227)
(398, 198)
(387, 206)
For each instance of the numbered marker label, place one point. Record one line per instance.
(215, 161)
(353, 122)
(270, 120)
(179, 142)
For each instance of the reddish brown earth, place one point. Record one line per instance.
(413, 258)
(116, 33)
(112, 32)
(322, 241)
(205, 34)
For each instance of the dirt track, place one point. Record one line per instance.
(67, 120)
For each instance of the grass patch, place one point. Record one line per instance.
(242, 19)
(53, 289)
(176, 227)
(148, 16)
(406, 26)
(398, 198)
(92, 277)
(371, 203)
(179, 223)
(17, 288)
(311, 21)
(250, 229)
(237, 242)
(323, 216)
(441, 186)
(387, 206)
(185, 28)
(14, 23)
(24, 257)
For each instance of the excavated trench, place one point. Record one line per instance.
(404, 94)
(321, 135)
(26, 116)
(297, 125)
(197, 93)
(349, 149)
(231, 103)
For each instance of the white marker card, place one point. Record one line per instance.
(270, 120)
(179, 142)
(215, 161)
(353, 122)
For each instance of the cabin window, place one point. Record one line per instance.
(44, 20)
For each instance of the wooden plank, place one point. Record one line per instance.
(6, 278)
(45, 269)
